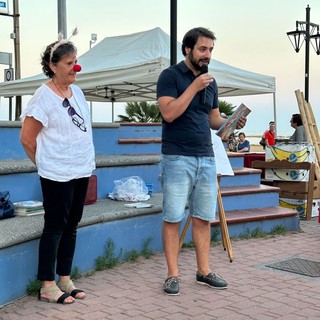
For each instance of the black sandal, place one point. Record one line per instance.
(53, 291)
(66, 287)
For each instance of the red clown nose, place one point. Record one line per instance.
(77, 68)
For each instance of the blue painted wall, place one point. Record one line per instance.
(105, 139)
(10, 143)
(24, 186)
(18, 264)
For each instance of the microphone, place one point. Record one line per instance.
(77, 68)
(203, 69)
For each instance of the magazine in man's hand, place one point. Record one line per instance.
(230, 125)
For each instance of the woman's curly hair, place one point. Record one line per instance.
(63, 49)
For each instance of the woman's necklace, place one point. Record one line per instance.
(61, 91)
(74, 121)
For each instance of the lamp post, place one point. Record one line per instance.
(91, 42)
(305, 32)
(15, 35)
(93, 39)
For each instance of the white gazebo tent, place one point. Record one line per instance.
(126, 68)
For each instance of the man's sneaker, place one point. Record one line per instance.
(212, 280)
(171, 286)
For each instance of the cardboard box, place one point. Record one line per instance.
(300, 205)
(292, 190)
(316, 190)
(293, 152)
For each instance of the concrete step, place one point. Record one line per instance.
(242, 176)
(256, 214)
(16, 174)
(236, 159)
(243, 222)
(249, 197)
(139, 140)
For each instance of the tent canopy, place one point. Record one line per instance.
(126, 68)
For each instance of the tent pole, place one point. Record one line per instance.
(173, 32)
(274, 112)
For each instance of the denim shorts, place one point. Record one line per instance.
(188, 180)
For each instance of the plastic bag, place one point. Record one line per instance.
(130, 189)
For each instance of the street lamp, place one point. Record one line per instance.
(93, 39)
(301, 34)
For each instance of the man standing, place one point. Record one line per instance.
(270, 134)
(188, 101)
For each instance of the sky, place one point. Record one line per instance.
(251, 35)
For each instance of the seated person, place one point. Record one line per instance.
(232, 143)
(299, 134)
(243, 145)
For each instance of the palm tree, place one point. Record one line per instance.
(149, 112)
(141, 112)
(226, 107)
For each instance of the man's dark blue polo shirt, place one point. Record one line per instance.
(189, 134)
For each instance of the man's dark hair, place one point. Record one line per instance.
(192, 36)
(296, 118)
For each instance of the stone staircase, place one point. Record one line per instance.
(249, 205)
(121, 151)
(134, 149)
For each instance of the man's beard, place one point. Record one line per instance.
(196, 63)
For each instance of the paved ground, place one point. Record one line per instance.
(134, 290)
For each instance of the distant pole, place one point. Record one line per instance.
(62, 17)
(91, 42)
(173, 32)
(16, 30)
(307, 41)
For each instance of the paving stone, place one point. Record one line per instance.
(134, 290)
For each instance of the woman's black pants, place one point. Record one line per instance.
(63, 205)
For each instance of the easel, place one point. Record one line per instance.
(223, 226)
(223, 167)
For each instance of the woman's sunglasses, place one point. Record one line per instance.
(74, 115)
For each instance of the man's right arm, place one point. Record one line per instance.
(171, 108)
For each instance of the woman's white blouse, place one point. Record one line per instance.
(64, 152)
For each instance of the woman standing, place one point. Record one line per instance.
(57, 136)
